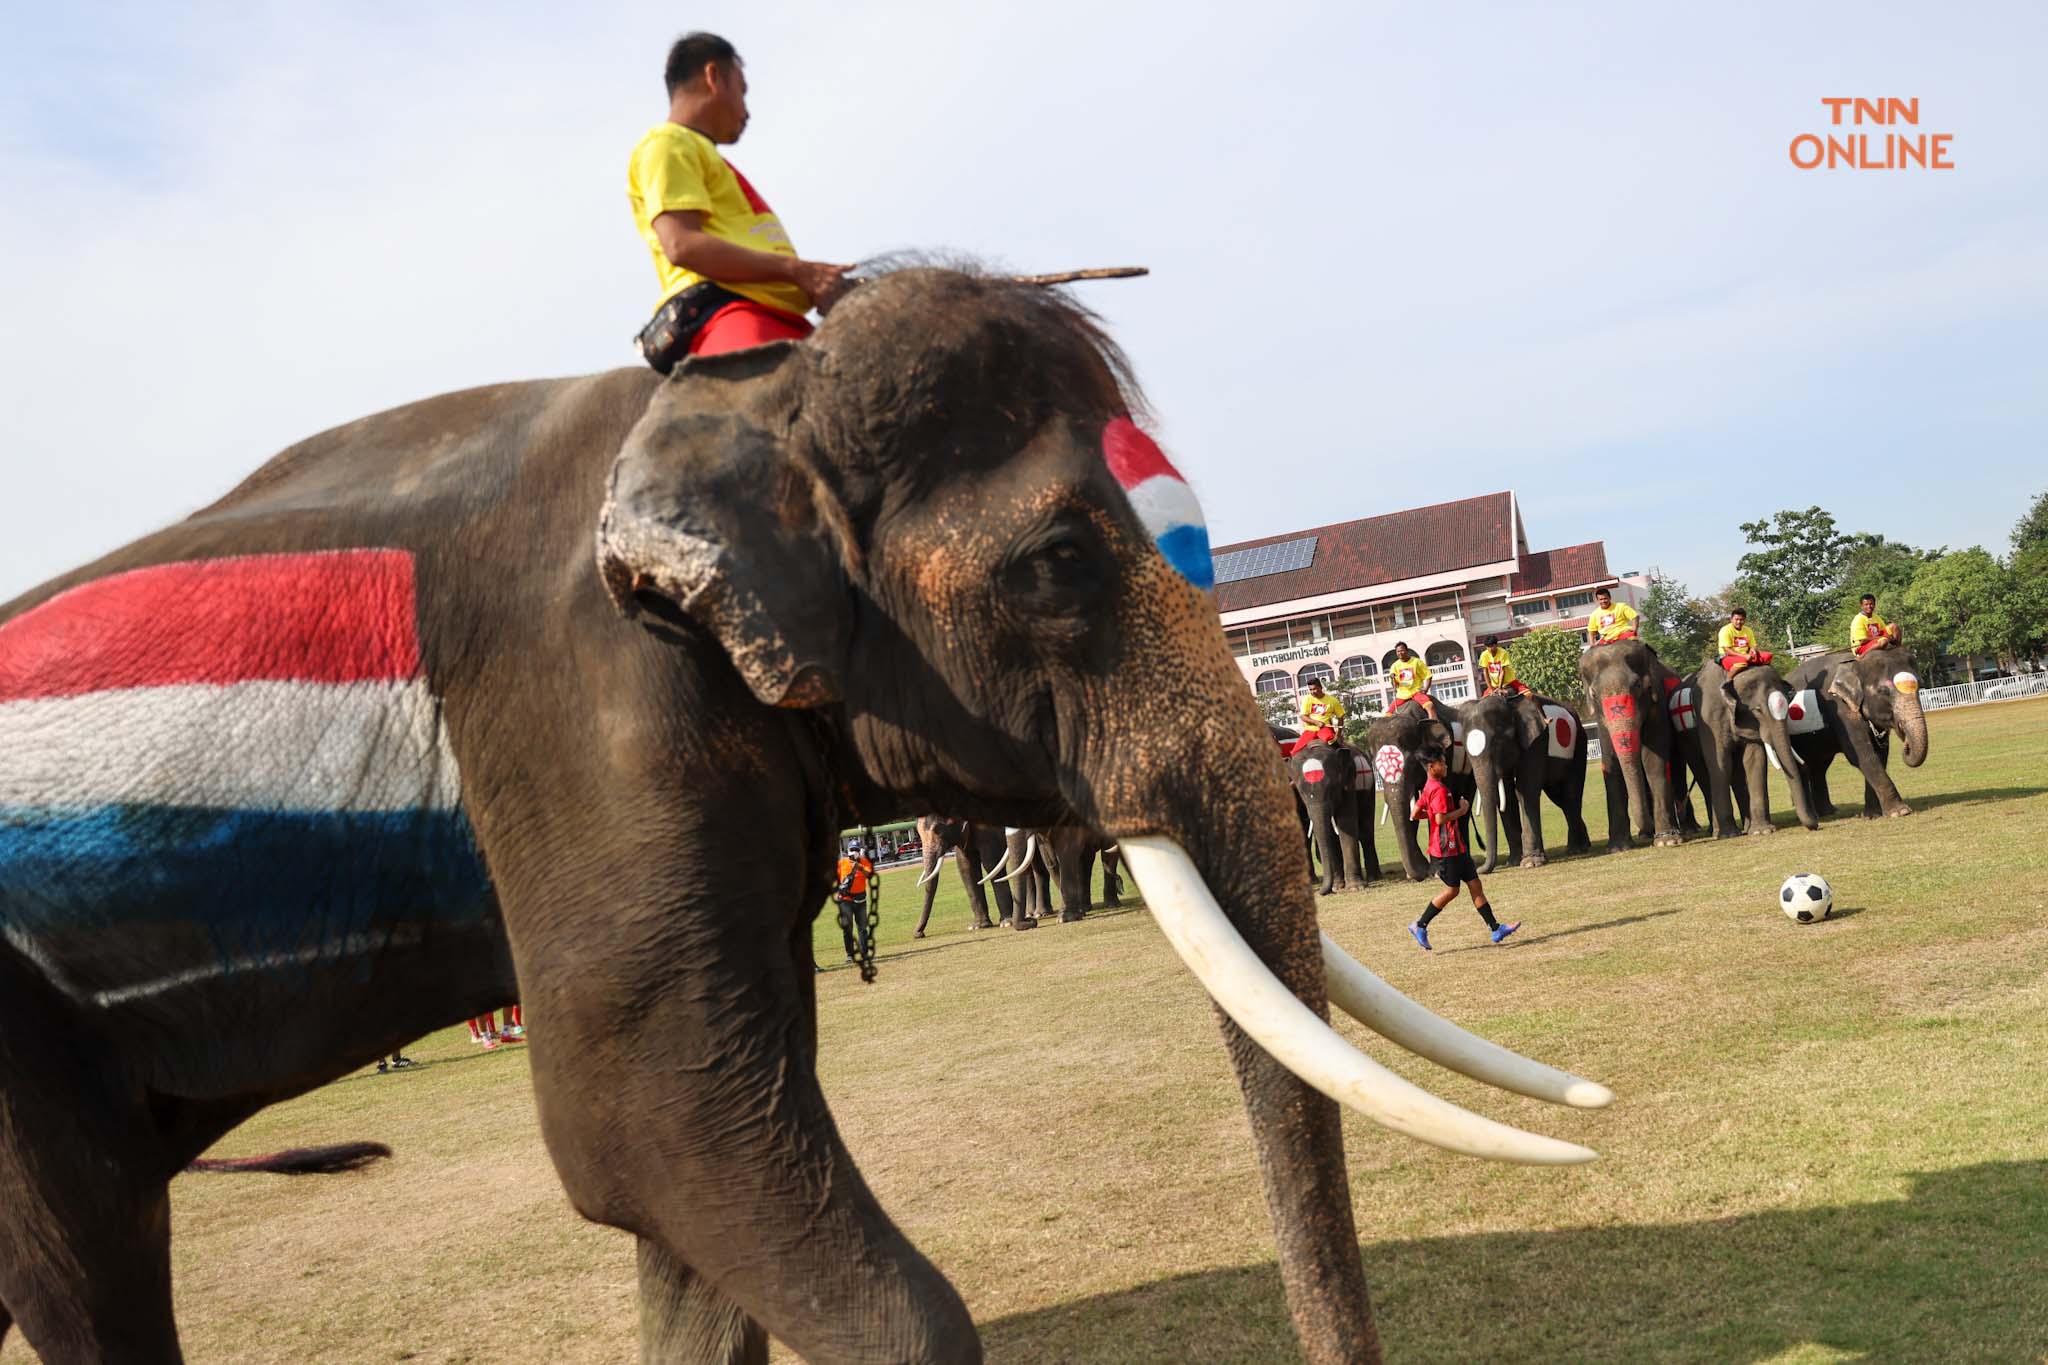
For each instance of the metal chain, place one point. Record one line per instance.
(867, 944)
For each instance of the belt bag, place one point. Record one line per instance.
(666, 338)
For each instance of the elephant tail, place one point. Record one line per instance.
(329, 1160)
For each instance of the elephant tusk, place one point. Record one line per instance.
(996, 871)
(1246, 989)
(1024, 863)
(1372, 1002)
(933, 873)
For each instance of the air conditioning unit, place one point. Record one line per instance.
(1563, 612)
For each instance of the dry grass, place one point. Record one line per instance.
(1829, 1142)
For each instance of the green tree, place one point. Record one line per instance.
(2032, 529)
(1964, 604)
(1547, 659)
(1791, 579)
(2029, 603)
(1678, 626)
(1280, 708)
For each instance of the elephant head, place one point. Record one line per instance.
(1626, 685)
(1764, 701)
(1881, 689)
(936, 528)
(1500, 732)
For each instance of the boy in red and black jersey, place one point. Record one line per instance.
(1449, 857)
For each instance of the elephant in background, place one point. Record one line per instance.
(1717, 738)
(1395, 743)
(1522, 749)
(1626, 687)
(1074, 851)
(1327, 782)
(1862, 699)
(939, 836)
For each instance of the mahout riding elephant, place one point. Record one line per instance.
(1719, 740)
(939, 836)
(1074, 851)
(1862, 700)
(1522, 749)
(377, 742)
(1395, 743)
(1327, 780)
(1285, 738)
(1627, 687)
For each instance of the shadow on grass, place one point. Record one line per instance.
(1934, 799)
(1950, 1271)
(1524, 939)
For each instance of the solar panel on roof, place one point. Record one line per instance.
(1260, 560)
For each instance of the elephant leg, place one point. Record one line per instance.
(1816, 773)
(1880, 797)
(1714, 756)
(928, 875)
(1756, 774)
(971, 872)
(1534, 852)
(1405, 832)
(1077, 873)
(85, 1225)
(1112, 876)
(685, 1320)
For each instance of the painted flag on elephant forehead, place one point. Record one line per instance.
(1161, 498)
(237, 763)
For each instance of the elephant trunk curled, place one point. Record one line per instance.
(1911, 723)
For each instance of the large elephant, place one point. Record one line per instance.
(938, 836)
(1720, 738)
(1862, 700)
(1327, 781)
(376, 743)
(1394, 743)
(1521, 750)
(1074, 852)
(1627, 688)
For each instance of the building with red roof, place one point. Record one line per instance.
(1332, 601)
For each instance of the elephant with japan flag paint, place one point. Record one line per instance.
(562, 690)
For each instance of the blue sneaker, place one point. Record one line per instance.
(1501, 931)
(1421, 936)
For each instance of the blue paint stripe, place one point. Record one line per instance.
(239, 884)
(1187, 549)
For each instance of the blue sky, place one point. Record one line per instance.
(1400, 253)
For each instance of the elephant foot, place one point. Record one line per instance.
(917, 933)
(1613, 847)
(1826, 808)
(1327, 891)
(1072, 916)
(1026, 924)
(1668, 840)
(1896, 811)
(1533, 860)
(1761, 829)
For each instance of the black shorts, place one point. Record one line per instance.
(1455, 870)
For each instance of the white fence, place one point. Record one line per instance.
(1992, 689)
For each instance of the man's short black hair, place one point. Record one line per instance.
(1869, 597)
(1738, 611)
(1490, 642)
(1603, 592)
(1401, 644)
(1433, 755)
(691, 54)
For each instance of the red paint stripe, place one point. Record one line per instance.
(343, 616)
(1132, 455)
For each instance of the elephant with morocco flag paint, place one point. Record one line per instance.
(560, 692)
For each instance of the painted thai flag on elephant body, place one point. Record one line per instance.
(238, 761)
(1161, 498)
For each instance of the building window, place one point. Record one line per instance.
(1357, 667)
(1456, 689)
(1318, 672)
(1272, 681)
(1572, 600)
(1444, 654)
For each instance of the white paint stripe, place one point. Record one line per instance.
(353, 945)
(248, 746)
(1163, 503)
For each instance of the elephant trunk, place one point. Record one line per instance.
(1327, 847)
(1626, 740)
(1489, 809)
(1779, 736)
(1911, 723)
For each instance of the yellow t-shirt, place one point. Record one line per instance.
(1495, 667)
(1736, 640)
(1611, 623)
(678, 170)
(1865, 628)
(1410, 676)
(1316, 712)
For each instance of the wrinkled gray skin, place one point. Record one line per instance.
(1339, 814)
(1639, 758)
(1410, 730)
(1729, 741)
(683, 633)
(940, 836)
(1863, 708)
(1514, 771)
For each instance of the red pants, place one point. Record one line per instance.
(1422, 699)
(746, 323)
(1625, 635)
(1518, 687)
(1326, 735)
(1735, 663)
(1890, 637)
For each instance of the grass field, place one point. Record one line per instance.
(1830, 1143)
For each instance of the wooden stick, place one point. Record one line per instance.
(1107, 272)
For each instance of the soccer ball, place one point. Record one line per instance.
(1806, 897)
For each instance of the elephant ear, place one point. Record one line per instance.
(1845, 687)
(711, 507)
(1529, 722)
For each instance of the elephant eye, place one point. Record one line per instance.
(1059, 574)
